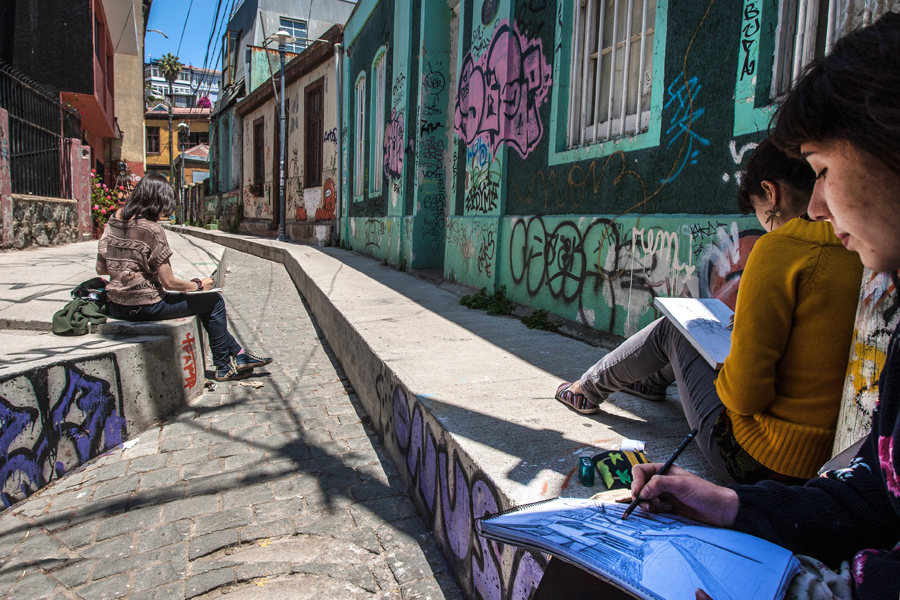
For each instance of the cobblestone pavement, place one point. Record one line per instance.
(277, 492)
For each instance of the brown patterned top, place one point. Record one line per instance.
(132, 252)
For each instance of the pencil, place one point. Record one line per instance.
(662, 471)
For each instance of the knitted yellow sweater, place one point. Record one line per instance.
(782, 382)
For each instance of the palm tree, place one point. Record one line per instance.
(170, 67)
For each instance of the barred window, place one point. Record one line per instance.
(359, 176)
(611, 71)
(806, 30)
(379, 91)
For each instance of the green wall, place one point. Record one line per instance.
(591, 233)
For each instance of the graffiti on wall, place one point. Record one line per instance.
(607, 263)
(326, 211)
(877, 317)
(54, 419)
(684, 101)
(393, 145)
(430, 160)
(474, 243)
(189, 355)
(499, 94)
(450, 495)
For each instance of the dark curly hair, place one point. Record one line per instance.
(852, 95)
(151, 198)
(769, 163)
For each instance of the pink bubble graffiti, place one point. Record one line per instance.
(499, 94)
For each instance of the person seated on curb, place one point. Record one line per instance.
(843, 116)
(134, 252)
(772, 409)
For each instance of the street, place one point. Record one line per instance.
(278, 491)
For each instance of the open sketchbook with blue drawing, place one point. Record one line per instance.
(704, 322)
(653, 556)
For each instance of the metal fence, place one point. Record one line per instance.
(40, 132)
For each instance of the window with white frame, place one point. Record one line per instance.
(296, 29)
(806, 30)
(611, 71)
(380, 71)
(359, 176)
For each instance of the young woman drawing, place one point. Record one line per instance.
(844, 118)
(134, 252)
(771, 411)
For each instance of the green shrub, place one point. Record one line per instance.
(538, 320)
(495, 304)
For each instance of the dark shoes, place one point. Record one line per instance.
(247, 361)
(642, 391)
(230, 371)
(576, 402)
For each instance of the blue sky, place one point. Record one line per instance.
(169, 17)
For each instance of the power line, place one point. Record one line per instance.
(184, 28)
(212, 33)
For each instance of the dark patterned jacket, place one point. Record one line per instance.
(850, 514)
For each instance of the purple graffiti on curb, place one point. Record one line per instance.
(500, 93)
(393, 145)
(450, 497)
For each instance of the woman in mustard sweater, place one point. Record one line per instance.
(771, 411)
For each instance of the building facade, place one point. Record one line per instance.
(193, 87)
(248, 61)
(311, 148)
(156, 124)
(71, 108)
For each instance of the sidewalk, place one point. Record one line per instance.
(275, 492)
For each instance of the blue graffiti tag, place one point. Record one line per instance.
(685, 115)
(27, 463)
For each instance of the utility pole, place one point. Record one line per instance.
(283, 38)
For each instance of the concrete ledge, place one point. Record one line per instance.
(464, 402)
(67, 400)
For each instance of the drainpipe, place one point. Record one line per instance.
(338, 71)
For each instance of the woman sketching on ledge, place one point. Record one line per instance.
(772, 409)
(134, 252)
(844, 118)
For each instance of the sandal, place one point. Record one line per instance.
(576, 402)
(642, 391)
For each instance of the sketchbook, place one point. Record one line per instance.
(704, 322)
(652, 556)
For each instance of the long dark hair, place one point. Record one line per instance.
(769, 163)
(152, 197)
(852, 95)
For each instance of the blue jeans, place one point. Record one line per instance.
(655, 356)
(209, 307)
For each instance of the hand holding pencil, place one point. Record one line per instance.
(681, 492)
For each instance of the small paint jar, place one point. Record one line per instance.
(586, 470)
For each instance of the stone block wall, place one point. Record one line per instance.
(38, 221)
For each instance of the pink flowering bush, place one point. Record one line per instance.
(105, 200)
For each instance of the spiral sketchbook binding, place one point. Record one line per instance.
(510, 510)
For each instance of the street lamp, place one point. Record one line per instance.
(283, 38)
(183, 130)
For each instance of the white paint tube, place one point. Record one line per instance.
(632, 446)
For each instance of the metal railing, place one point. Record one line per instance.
(40, 132)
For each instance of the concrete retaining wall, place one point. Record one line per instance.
(90, 395)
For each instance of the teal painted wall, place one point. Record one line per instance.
(591, 233)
